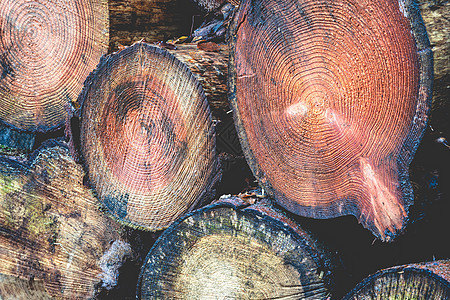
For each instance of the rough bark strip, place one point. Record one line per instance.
(152, 20)
(330, 104)
(51, 228)
(147, 138)
(211, 69)
(436, 16)
(429, 280)
(232, 250)
(47, 49)
(212, 5)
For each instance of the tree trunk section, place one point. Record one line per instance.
(330, 102)
(235, 251)
(47, 50)
(146, 137)
(54, 239)
(429, 280)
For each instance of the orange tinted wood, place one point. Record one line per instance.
(331, 99)
(146, 137)
(47, 49)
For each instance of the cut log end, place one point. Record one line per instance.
(53, 237)
(417, 281)
(330, 102)
(225, 251)
(147, 138)
(47, 50)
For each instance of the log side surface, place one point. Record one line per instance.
(430, 280)
(54, 239)
(227, 250)
(47, 49)
(147, 139)
(211, 69)
(330, 101)
(152, 20)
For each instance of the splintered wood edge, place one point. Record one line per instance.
(215, 175)
(435, 274)
(324, 271)
(411, 11)
(63, 93)
(43, 260)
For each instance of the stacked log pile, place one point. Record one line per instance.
(330, 101)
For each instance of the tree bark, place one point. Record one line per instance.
(146, 137)
(152, 20)
(436, 16)
(429, 280)
(54, 239)
(233, 250)
(211, 69)
(212, 5)
(329, 108)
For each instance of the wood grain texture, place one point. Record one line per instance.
(52, 233)
(47, 49)
(147, 138)
(429, 280)
(12, 287)
(330, 101)
(229, 250)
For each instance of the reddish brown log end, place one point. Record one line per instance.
(147, 138)
(331, 99)
(47, 50)
(429, 280)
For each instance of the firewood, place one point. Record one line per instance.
(235, 251)
(146, 137)
(47, 50)
(54, 240)
(429, 280)
(331, 101)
